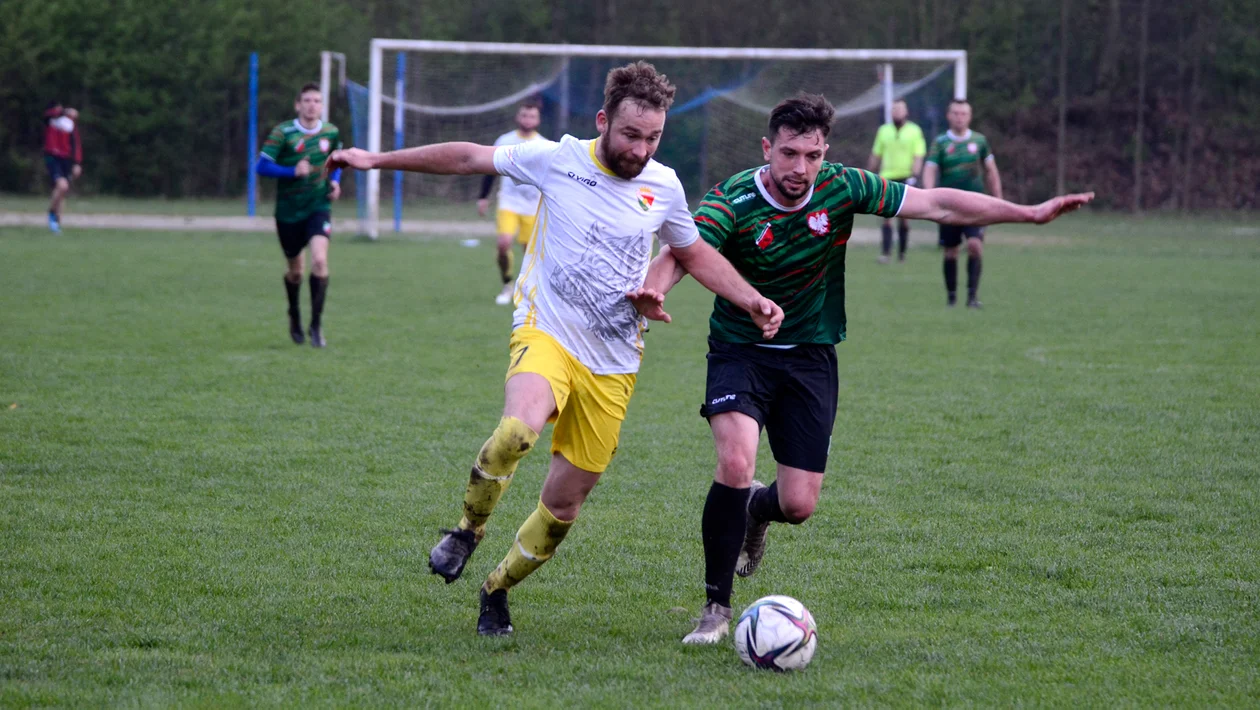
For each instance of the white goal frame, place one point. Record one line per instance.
(376, 75)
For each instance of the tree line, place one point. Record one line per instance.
(1150, 102)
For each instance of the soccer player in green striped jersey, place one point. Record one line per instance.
(961, 159)
(294, 153)
(785, 227)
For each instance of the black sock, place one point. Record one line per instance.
(903, 237)
(951, 276)
(722, 528)
(504, 267)
(765, 507)
(319, 288)
(973, 276)
(294, 289)
(886, 232)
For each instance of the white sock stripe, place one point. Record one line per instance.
(525, 553)
(482, 474)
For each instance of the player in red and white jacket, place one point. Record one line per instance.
(63, 154)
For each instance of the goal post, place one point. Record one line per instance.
(468, 91)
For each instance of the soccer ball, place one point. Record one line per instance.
(776, 633)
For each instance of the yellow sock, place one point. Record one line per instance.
(492, 473)
(535, 543)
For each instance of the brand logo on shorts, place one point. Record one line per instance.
(589, 182)
(724, 398)
(324, 145)
(818, 223)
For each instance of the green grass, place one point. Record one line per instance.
(212, 207)
(1052, 502)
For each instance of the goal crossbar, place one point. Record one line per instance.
(376, 76)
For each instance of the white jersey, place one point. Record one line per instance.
(592, 243)
(518, 197)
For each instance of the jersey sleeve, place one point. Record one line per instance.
(986, 153)
(937, 154)
(527, 162)
(873, 194)
(273, 144)
(714, 218)
(679, 229)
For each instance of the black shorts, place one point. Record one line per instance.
(294, 236)
(58, 168)
(952, 234)
(791, 393)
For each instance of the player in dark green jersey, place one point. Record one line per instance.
(961, 159)
(785, 227)
(293, 153)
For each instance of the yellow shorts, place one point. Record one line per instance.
(512, 223)
(590, 407)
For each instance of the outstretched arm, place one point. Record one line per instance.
(664, 273)
(950, 206)
(437, 159)
(715, 273)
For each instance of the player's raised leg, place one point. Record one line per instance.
(528, 403)
(790, 499)
(735, 436)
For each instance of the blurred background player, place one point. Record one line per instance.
(898, 156)
(63, 154)
(518, 202)
(962, 159)
(293, 153)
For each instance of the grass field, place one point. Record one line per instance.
(1051, 502)
(210, 207)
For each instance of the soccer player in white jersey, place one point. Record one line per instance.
(577, 337)
(518, 201)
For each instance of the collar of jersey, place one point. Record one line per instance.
(297, 123)
(595, 159)
(955, 137)
(765, 194)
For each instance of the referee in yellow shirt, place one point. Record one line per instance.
(898, 155)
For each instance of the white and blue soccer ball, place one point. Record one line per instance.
(776, 633)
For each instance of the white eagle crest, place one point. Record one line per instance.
(818, 223)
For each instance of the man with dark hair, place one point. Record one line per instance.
(897, 155)
(962, 160)
(785, 226)
(577, 333)
(293, 154)
(63, 156)
(518, 202)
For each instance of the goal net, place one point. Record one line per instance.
(422, 92)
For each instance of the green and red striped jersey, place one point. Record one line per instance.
(961, 160)
(794, 257)
(288, 144)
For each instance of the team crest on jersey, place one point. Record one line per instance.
(972, 148)
(646, 198)
(324, 145)
(818, 222)
(766, 238)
